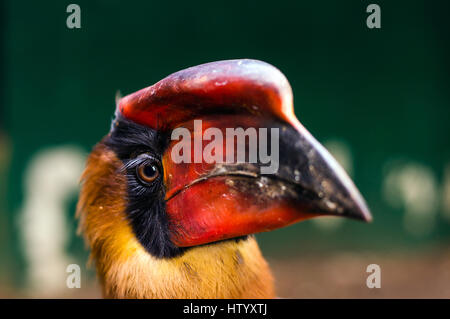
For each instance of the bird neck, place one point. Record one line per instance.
(223, 270)
(227, 269)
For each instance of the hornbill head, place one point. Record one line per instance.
(135, 173)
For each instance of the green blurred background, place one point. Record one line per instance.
(379, 100)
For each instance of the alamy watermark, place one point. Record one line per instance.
(374, 279)
(373, 21)
(73, 20)
(213, 151)
(74, 279)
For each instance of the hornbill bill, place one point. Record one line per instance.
(159, 228)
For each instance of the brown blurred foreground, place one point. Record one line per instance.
(344, 276)
(337, 276)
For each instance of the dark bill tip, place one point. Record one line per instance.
(305, 162)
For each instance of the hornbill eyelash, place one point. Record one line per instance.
(140, 159)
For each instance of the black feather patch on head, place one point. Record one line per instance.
(137, 145)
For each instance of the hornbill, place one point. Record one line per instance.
(159, 228)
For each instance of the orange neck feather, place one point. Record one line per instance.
(222, 270)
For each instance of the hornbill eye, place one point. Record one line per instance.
(147, 172)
